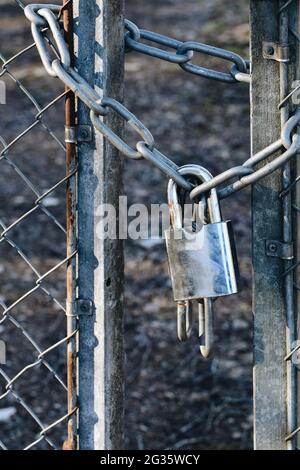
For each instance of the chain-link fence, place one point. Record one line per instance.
(32, 243)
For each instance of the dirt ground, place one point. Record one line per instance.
(174, 398)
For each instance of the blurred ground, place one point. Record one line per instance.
(174, 398)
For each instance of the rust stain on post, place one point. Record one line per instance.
(70, 443)
(71, 161)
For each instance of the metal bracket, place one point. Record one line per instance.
(82, 133)
(278, 249)
(276, 51)
(84, 307)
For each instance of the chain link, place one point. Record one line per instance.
(132, 41)
(59, 41)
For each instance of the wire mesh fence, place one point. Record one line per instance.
(32, 243)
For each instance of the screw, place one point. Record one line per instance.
(270, 50)
(84, 306)
(272, 247)
(84, 134)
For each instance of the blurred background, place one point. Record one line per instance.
(174, 398)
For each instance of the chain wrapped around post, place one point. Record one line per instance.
(45, 17)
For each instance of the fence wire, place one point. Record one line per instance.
(33, 396)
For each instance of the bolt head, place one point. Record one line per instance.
(270, 50)
(84, 134)
(272, 247)
(84, 306)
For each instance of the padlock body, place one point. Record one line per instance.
(203, 264)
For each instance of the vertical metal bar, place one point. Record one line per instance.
(71, 163)
(100, 56)
(287, 233)
(296, 26)
(270, 412)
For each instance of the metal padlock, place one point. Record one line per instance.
(203, 264)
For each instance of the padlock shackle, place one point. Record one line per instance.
(213, 203)
(206, 327)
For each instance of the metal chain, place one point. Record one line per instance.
(292, 146)
(44, 16)
(184, 53)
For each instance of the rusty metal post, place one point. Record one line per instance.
(71, 163)
(99, 50)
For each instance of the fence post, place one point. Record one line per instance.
(71, 163)
(99, 51)
(273, 299)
